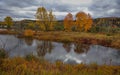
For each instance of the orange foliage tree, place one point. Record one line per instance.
(89, 23)
(68, 22)
(83, 21)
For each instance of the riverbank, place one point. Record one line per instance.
(108, 40)
(10, 32)
(34, 66)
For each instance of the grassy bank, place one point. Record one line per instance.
(33, 66)
(110, 40)
(10, 32)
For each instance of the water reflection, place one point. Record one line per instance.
(67, 46)
(44, 47)
(81, 48)
(28, 41)
(72, 53)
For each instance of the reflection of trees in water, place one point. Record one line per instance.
(67, 46)
(29, 41)
(44, 47)
(81, 48)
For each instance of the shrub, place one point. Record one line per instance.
(28, 33)
(3, 53)
(30, 57)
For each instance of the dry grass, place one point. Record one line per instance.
(7, 32)
(88, 38)
(21, 66)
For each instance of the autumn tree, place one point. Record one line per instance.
(45, 19)
(89, 23)
(83, 21)
(68, 22)
(8, 21)
(52, 20)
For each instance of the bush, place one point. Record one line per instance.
(30, 57)
(28, 33)
(3, 53)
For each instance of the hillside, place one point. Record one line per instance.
(113, 21)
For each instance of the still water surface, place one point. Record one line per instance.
(71, 53)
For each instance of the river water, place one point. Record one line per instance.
(71, 53)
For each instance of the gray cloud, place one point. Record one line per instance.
(105, 8)
(17, 8)
(25, 9)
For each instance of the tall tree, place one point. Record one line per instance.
(52, 20)
(68, 22)
(8, 21)
(45, 19)
(83, 21)
(89, 23)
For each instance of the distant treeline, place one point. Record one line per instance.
(113, 21)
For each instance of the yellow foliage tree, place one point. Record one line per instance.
(83, 21)
(45, 19)
(52, 20)
(68, 22)
(8, 21)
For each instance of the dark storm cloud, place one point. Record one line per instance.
(22, 9)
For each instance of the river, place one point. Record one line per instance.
(70, 53)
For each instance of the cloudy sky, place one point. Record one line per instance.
(26, 9)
